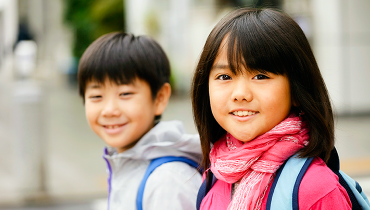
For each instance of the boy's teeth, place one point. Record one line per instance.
(243, 113)
(112, 126)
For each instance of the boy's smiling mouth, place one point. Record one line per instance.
(112, 126)
(114, 129)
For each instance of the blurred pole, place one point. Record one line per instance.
(28, 138)
(178, 34)
(28, 125)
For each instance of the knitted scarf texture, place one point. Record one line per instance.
(253, 163)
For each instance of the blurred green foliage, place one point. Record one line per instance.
(90, 19)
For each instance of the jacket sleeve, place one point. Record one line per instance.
(172, 186)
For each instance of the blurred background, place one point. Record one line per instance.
(49, 157)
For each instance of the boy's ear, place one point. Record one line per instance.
(162, 98)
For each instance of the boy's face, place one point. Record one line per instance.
(120, 114)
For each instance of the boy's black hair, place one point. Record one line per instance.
(121, 58)
(266, 40)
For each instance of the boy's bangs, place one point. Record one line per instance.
(251, 46)
(119, 72)
(114, 66)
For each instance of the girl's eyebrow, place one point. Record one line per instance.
(220, 66)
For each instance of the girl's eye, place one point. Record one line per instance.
(224, 77)
(126, 94)
(260, 77)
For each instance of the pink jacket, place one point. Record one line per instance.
(319, 189)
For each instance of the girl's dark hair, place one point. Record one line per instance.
(269, 41)
(121, 58)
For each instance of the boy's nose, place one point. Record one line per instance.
(242, 92)
(111, 109)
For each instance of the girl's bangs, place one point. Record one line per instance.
(252, 46)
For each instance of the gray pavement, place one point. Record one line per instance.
(75, 175)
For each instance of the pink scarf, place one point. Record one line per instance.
(254, 163)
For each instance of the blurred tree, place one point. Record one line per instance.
(92, 18)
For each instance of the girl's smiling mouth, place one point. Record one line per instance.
(243, 113)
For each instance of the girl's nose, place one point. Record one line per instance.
(242, 92)
(111, 109)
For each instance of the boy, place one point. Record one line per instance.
(124, 83)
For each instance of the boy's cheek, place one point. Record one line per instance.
(87, 111)
(90, 114)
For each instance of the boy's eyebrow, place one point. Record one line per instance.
(93, 86)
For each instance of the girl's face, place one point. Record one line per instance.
(247, 104)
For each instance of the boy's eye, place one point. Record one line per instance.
(95, 97)
(260, 77)
(224, 77)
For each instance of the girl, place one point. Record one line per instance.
(258, 98)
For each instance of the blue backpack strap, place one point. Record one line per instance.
(202, 192)
(352, 191)
(284, 189)
(152, 166)
(358, 198)
(298, 182)
(357, 191)
(273, 186)
(205, 187)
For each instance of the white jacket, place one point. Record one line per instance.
(172, 185)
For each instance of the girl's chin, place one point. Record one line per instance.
(243, 138)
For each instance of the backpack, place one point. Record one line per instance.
(284, 189)
(152, 166)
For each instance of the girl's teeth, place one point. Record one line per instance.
(243, 113)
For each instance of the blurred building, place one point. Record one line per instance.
(8, 36)
(337, 29)
(41, 21)
(44, 20)
(340, 36)
(21, 107)
(8, 33)
(342, 44)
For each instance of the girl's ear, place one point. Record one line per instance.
(162, 98)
